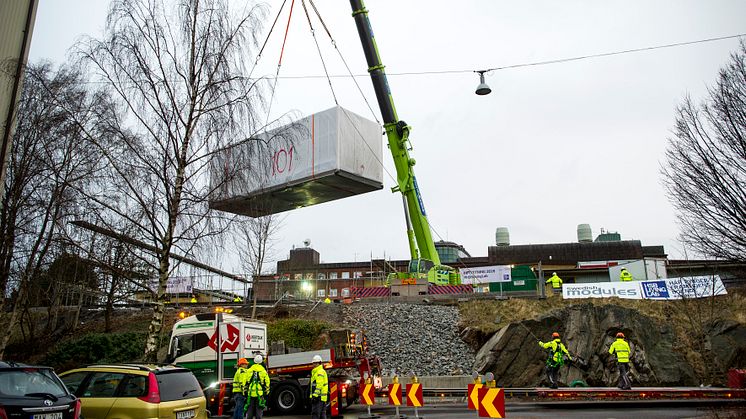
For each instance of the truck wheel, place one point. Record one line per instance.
(285, 399)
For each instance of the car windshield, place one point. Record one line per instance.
(30, 382)
(178, 385)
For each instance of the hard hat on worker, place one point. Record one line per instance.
(554, 273)
(258, 359)
(624, 269)
(620, 335)
(317, 358)
(555, 335)
(243, 361)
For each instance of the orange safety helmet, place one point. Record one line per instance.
(243, 361)
(620, 335)
(555, 335)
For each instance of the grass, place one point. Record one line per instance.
(687, 317)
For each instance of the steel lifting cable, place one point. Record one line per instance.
(279, 62)
(321, 56)
(261, 50)
(334, 44)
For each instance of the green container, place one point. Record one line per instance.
(523, 279)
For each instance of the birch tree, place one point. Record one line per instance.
(49, 163)
(178, 73)
(705, 168)
(254, 243)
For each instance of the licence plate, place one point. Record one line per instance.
(55, 415)
(186, 414)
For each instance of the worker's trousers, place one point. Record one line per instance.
(318, 408)
(238, 408)
(253, 410)
(553, 375)
(624, 382)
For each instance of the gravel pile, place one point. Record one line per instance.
(413, 338)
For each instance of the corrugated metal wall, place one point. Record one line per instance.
(14, 15)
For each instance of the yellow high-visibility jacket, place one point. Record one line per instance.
(238, 379)
(555, 280)
(625, 276)
(621, 348)
(556, 357)
(319, 383)
(255, 387)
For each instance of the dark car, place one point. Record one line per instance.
(32, 392)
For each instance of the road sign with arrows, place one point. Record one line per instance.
(367, 394)
(395, 394)
(491, 403)
(414, 395)
(472, 396)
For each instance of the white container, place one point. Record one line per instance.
(326, 156)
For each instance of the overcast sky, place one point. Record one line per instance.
(553, 146)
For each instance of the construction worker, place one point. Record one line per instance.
(256, 389)
(624, 275)
(556, 281)
(319, 389)
(327, 300)
(621, 348)
(556, 359)
(193, 300)
(238, 392)
(237, 299)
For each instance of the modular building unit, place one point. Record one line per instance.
(326, 156)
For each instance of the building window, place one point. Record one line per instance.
(298, 276)
(358, 274)
(322, 276)
(332, 275)
(320, 293)
(345, 275)
(309, 275)
(333, 292)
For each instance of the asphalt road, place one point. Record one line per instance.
(530, 410)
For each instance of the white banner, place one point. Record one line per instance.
(485, 274)
(629, 290)
(662, 289)
(175, 285)
(682, 288)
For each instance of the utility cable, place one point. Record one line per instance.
(531, 64)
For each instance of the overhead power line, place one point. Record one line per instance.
(530, 64)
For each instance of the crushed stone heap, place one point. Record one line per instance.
(413, 338)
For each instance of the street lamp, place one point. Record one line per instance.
(482, 89)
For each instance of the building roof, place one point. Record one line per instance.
(566, 253)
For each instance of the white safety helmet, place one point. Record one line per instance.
(258, 359)
(554, 273)
(317, 358)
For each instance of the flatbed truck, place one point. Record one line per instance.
(195, 339)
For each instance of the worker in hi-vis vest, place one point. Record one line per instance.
(238, 394)
(555, 280)
(557, 354)
(624, 275)
(621, 349)
(319, 389)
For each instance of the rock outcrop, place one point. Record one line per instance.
(516, 359)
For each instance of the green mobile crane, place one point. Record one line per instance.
(424, 262)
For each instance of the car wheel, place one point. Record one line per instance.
(285, 399)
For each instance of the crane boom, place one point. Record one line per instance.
(421, 245)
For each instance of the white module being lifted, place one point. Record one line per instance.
(326, 156)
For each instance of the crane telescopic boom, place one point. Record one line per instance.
(425, 259)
